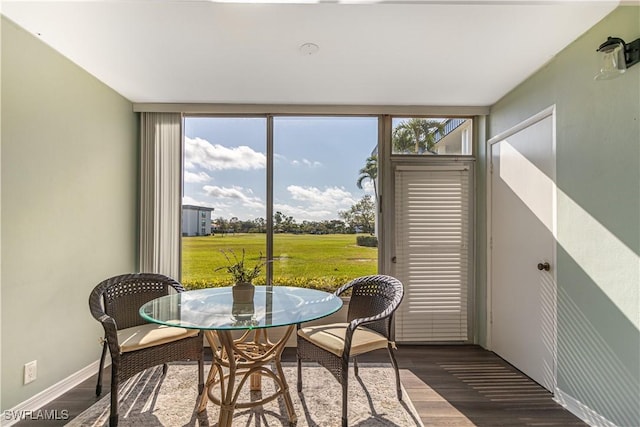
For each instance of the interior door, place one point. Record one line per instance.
(523, 287)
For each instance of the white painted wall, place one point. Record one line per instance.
(190, 222)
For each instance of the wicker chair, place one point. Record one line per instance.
(374, 300)
(134, 344)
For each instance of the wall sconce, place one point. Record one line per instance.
(617, 56)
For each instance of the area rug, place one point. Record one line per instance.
(149, 399)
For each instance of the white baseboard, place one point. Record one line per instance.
(581, 411)
(29, 408)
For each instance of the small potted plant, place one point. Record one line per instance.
(242, 275)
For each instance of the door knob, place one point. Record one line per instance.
(544, 266)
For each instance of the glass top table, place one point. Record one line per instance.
(251, 356)
(214, 308)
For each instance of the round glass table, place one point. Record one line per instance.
(248, 357)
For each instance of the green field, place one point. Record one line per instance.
(318, 261)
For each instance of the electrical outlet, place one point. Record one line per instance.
(30, 371)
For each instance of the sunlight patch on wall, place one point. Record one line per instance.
(529, 183)
(595, 373)
(610, 263)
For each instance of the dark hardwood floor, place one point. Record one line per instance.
(449, 386)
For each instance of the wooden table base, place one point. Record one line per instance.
(236, 361)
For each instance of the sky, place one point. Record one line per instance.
(316, 165)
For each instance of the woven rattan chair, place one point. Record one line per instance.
(374, 299)
(134, 344)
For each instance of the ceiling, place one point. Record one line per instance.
(435, 53)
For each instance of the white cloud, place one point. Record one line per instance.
(367, 187)
(200, 152)
(192, 177)
(306, 162)
(300, 213)
(332, 197)
(239, 194)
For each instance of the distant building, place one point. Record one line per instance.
(196, 220)
(456, 138)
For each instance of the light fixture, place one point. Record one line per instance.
(309, 48)
(617, 56)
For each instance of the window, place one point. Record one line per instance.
(431, 136)
(322, 197)
(246, 172)
(324, 205)
(224, 169)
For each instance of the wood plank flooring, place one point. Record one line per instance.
(449, 385)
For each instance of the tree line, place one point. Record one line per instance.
(359, 218)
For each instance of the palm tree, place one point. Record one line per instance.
(417, 135)
(369, 171)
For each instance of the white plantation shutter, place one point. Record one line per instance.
(432, 252)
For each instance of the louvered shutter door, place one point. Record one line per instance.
(432, 253)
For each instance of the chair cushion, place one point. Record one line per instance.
(331, 338)
(151, 334)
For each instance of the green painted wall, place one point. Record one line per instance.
(69, 209)
(598, 248)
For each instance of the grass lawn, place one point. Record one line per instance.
(318, 261)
